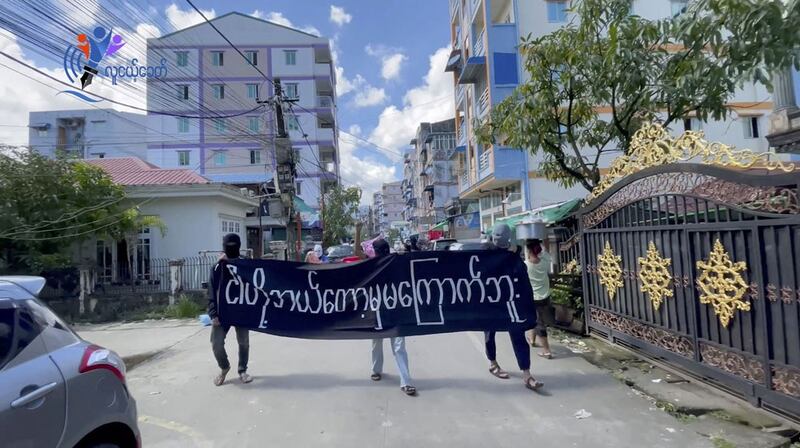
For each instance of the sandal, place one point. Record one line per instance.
(498, 372)
(375, 377)
(546, 355)
(245, 377)
(409, 390)
(536, 385)
(219, 379)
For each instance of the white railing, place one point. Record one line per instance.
(484, 163)
(324, 102)
(484, 102)
(478, 47)
(454, 8)
(462, 133)
(476, 5)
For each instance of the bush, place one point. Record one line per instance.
(183, 309)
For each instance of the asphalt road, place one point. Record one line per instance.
(319, 394)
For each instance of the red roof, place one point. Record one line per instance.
(135, 171)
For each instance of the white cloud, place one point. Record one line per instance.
(181, 19)
(370, 96)
(368, 172)
(339, 16)
(22, 94)
(397, 125)
(280, 19)
(390, 68)
(391, 59)
(146, 30)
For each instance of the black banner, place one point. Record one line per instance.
(397, 295)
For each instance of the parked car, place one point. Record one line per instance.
(337, 253)
(443, 243)
(57, 390)
(470, 245)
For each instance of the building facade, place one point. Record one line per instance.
(487, 67)
(389, 205)
(429, 179)
(222, 131)
(88, 133)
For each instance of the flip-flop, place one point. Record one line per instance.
(498, 372)
(546, 355)
(536, 384)
(375, 377)
(220, 379)
(409, 390)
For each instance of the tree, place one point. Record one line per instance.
(128, 229)
(593, 83)
(341, 206)
(46, 205)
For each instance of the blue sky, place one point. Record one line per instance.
(390, 58)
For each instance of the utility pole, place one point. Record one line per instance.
(285, 166)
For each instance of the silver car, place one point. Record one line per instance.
(57, 390)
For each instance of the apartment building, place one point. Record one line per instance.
(487, 67)
(88, 133)
(429, 179)
(389, 205)
(212, 94)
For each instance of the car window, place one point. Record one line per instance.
(6, 334)
(45, 317)
(27, 329)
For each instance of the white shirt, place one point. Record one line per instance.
(539, 275)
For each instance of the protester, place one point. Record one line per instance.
(380, 248)
(231, 245)
(538, 262)
(315, 256)
(501, 240)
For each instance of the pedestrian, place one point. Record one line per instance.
(231, 244)
(315, 256)
(501, 240)
(398, 344)
(538, 263)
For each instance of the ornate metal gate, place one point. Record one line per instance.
(699, 263)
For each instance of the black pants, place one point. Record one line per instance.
(518, 342)
(545, 316)
(218, 334)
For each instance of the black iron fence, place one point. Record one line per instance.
(698, 265)
(147, 276)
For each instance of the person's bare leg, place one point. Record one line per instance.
(545, 343)
(531, 382)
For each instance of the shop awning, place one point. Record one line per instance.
(550, 214)
(440, 226)
(454, 61)
(472, 70)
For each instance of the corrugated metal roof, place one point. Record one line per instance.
(134, 171)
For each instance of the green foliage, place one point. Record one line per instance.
(641, 71)
(392, 235)
(184, 308)
(341, 206)
(46, 205)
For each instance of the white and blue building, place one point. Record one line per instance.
(487, 67)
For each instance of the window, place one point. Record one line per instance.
(182, 58)
(751, 127)
(290, 56)
(143, 254)
(255, 156)
(299, 189)
(252, 91)
(230, 226)
(219, 158)
(6, 334)
(678, 7)
(291, 123)
(216, 58)
(219, 124)
(183, 92)
(253, 123)
(291, 90)
(556, 11)
(219, 91)
(252, 57)
(691, 124)
(183, 124)
(183, 158)
(42, 132)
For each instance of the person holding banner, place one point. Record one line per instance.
(231, 245)
(501, 240)
(380, 248)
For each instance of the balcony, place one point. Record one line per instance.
(324, 102)
(478, 48)
(322, 69)
(485, 164)
(484, 103)
(474, 8)
(461, 134)
(455, 9)
(324, 133)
